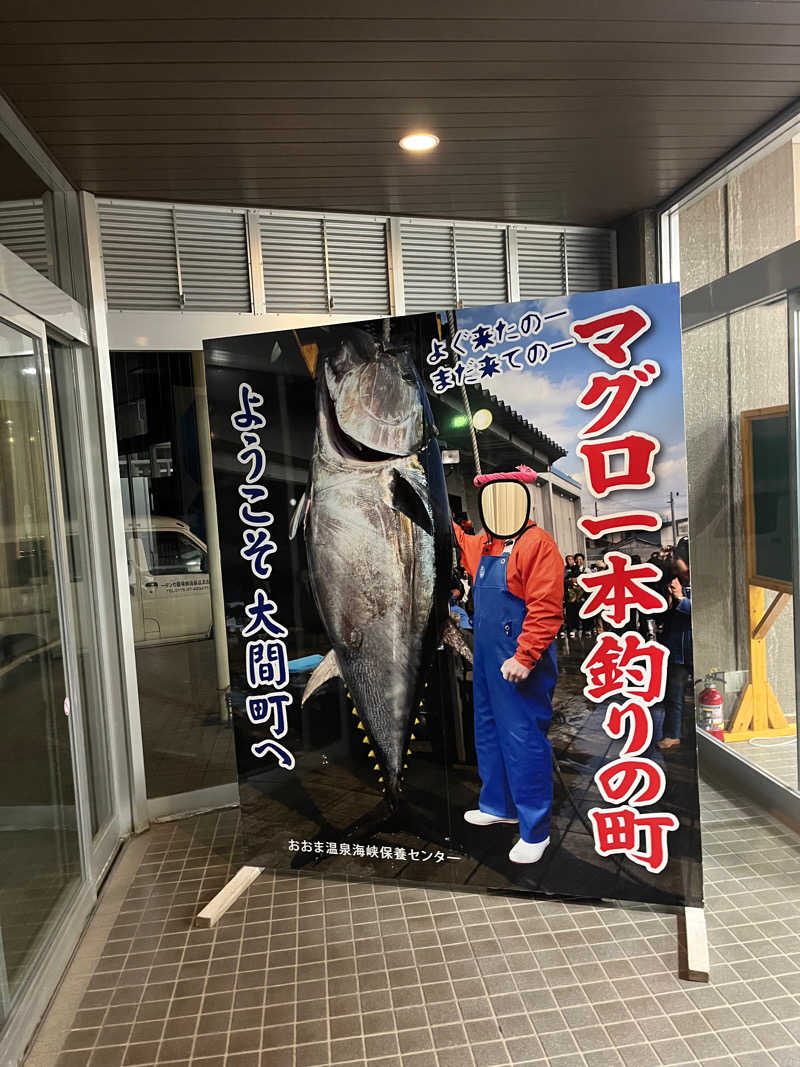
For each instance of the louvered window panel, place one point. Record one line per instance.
(359, 273)
(23, 230)
(215, 272)
(294, 264)
(481, 262)
(139, 257)
(429, 276)
(589, 262)
(541, 263)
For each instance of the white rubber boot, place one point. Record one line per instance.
(523, 852)
(482, 818)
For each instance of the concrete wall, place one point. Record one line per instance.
(706, 411)
(759, 378)
(732, 366)
(703, 245)
(761, 207)
(637, 248)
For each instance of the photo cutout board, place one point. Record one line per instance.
(458, 621)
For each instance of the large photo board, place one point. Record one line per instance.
(459, 629)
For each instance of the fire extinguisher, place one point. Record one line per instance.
(711, 706)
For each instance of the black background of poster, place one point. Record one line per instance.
(333, 794)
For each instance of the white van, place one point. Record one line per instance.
(167, 576)
(168, 579)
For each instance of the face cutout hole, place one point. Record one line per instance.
(505, 508)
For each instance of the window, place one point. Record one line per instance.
(171, 552)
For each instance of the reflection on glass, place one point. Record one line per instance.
(734, 368)
(39, 851)
(186, 746)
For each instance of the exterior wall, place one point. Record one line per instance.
(759, 378)
(761, 207)
(703, 248)
(730, 366)
(566, 511)
(637, 261)
(708, 422)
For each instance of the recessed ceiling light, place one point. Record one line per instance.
(419, 142)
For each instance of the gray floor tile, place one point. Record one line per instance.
(306, 972)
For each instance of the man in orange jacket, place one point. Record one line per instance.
(518, 596)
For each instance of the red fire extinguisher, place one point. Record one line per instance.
(712, 718)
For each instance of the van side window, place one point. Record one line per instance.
(170, 552)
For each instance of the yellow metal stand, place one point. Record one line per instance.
(758, 713)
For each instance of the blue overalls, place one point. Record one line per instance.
(511, 721)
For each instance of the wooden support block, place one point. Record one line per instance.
(770, 616)
(227, 896)
(748, 735)
(693, 946)
(758, 713)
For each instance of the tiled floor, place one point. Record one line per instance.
(306, 971)
(777, 757)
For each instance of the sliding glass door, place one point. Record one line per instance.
(59, 783)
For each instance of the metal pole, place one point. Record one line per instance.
(212, 538)
(793, 312)
(672, 513)
(451, 325)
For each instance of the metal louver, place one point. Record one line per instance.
(540, 254)
(139, 257)
(589, 261)
(429, 275)
(358, 267)
(169, 257)
(293, 254)
(214, 265)
(481, 263)
(23, 230)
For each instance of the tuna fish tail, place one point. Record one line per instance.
(393, 786)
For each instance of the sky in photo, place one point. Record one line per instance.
(546, 394)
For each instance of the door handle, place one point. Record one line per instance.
(151, 585)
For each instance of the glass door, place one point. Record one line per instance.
(44, 810)
(77, 439)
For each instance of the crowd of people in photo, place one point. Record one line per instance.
(671, 628)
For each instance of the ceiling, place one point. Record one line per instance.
(575, 111)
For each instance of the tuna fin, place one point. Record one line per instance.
(298, 516)
(409, 497)
(322, 673)
(451, 636)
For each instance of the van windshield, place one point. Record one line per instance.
(171, 552)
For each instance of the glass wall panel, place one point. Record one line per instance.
(736, 369)
(40, 859)
(188, 745)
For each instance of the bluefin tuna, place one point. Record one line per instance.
(378, 539)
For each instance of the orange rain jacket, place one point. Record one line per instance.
(535, 574)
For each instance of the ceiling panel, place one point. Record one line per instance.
(572, 112)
